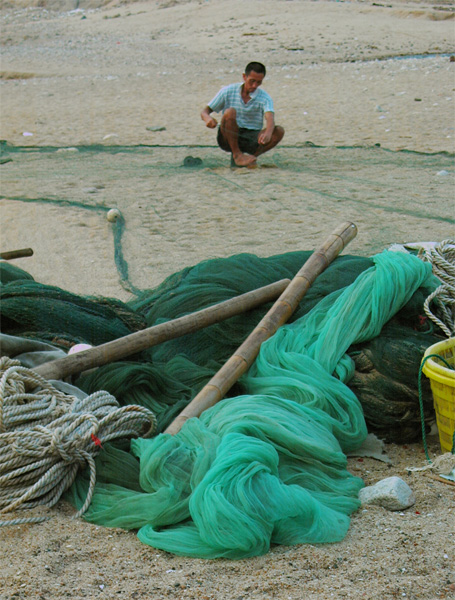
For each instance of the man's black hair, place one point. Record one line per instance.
(256, 67)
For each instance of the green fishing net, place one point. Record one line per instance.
(386, 381)
(267, 466)
(48, 313)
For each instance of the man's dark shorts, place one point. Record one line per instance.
(248, 140)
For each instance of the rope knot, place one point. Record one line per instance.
(62, 447)
(46, 436)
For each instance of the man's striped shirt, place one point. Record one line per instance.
(250, 115)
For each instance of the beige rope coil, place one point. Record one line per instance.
(46, 436)
(442, 258)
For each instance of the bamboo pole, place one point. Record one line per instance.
(16, 254)
(243, 358)
(146, 338)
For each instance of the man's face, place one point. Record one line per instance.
(252, 81)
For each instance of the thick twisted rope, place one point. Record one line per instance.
(442, 258)
(46, 436)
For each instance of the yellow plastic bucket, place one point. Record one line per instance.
(442, 381)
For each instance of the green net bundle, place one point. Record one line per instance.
(48, 313)
(267, 466)
(385, 381)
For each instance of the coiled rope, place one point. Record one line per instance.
(46, 436)
(442, 258)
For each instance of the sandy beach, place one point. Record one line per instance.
(100, 105)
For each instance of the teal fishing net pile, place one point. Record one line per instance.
(267, 466)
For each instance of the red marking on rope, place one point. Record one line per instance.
(422, 320)
(96, 440)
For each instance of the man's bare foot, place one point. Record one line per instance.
(244, 160)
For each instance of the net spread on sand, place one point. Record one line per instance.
(83, 183)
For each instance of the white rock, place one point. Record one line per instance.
(391, 493)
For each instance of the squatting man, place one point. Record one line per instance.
(244, 107)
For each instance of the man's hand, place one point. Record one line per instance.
(266, 134)
(264, 137)
(211, 123)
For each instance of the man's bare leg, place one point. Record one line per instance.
(230, 131)
(277, 136)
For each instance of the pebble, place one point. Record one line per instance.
(391, 493)
(442, 173)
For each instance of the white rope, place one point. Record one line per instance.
(442, 258)
(46, 436)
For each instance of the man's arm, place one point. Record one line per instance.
(207, 118)
(266, 135)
